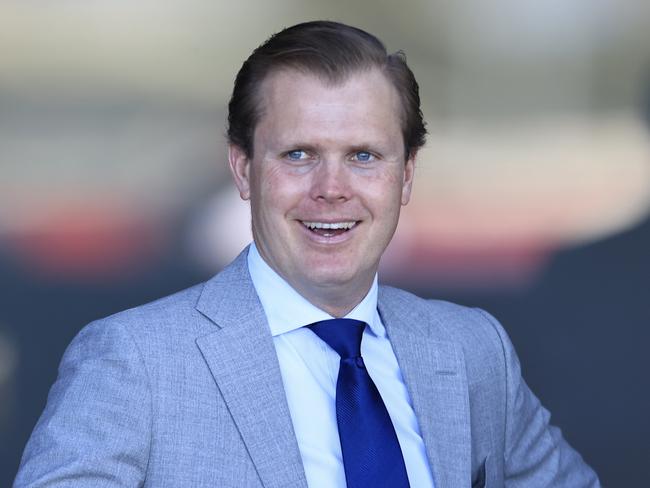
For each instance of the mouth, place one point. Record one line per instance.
(329, 229)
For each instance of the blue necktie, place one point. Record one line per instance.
(372, 457)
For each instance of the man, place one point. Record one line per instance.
(252, 379)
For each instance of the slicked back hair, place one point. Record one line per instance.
(333, 52)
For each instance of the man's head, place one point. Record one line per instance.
(324, 164)
(332, 52)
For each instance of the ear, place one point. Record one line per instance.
(240, 169)
(409, 171)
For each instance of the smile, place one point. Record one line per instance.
(329, 229)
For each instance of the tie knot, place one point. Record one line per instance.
(342, 335)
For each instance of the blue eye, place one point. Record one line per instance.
(296, 155)
(363, 156)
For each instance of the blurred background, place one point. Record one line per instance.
(531, 199)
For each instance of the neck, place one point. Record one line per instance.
(336, 300)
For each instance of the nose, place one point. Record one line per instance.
(331, 182)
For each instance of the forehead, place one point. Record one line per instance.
(296, 104)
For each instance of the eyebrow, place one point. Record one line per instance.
(296, 145)
(364, 146)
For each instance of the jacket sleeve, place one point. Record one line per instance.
(96, 427)
(536, 454)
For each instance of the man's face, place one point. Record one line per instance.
(326, 181)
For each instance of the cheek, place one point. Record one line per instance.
(278, 192)
(266, 184)
(385, 191)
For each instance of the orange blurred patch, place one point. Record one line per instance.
(87, 241)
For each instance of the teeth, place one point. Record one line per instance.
(328, 225)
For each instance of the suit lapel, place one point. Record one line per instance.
(434, 372)
(242, 358)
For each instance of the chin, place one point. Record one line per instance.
(330, 279)
(333, 275)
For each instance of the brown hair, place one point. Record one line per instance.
(332, 51)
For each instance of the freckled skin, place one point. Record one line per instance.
(325, 153)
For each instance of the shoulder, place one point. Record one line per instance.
(136, 332)
(159, 314)
(180, 315)
(450, 320)
(480, 335)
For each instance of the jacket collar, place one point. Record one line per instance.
(242, 359)
(435, 376)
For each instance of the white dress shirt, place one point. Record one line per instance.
(310, 368)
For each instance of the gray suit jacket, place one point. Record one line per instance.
(186, 392)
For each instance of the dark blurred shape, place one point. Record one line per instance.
(585, 339)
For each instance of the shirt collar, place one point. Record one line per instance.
(287, 310)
